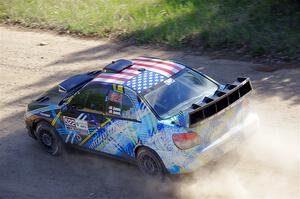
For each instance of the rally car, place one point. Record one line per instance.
(160, 114)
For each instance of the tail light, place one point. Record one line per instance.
(186, 140)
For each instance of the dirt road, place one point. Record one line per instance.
(266, 166)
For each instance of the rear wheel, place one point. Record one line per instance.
(48, 138)
(150, 164)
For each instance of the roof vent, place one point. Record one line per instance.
(118, 66)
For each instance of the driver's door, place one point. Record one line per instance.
(84, 115)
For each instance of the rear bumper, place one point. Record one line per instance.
(192, 159)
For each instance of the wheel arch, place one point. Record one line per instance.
(139, 147)
(36, 122)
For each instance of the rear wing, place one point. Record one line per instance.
(220, 100)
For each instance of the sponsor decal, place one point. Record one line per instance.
(114, 110)
(81, 125)
(116, 97)
(73, 124)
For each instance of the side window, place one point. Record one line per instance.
(96, 99)
(128, 110)
(79, 100)
(91, 100)
(120, 105)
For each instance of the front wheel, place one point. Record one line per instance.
(150, 164)
(48, 139)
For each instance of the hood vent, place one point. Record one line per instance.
(74, 81)
(220, 100)
(94, 73)
(42, 99)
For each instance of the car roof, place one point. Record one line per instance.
(139, 74)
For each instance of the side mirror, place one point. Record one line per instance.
(72, 107)
(68, 107)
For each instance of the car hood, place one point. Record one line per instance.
(65, 89)
(51, 97)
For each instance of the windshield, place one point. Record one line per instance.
(180, 92)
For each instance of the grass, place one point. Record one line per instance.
(258, 27)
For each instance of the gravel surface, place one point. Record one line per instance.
(265, 166)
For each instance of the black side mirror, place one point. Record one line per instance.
(69, 107)
(73, 107)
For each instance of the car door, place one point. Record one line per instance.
(124, 122)
(85, 114)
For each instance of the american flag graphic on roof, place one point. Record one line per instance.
(118, 78)
(143, 74)
(145, 81)
(162, 67)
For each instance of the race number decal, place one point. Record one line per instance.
(73, 124)
(118, 88)
(70, 123)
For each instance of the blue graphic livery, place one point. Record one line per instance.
(160, 114)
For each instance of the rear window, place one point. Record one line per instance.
(180, 92)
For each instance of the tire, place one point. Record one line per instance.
(150, 163)
(48, 139)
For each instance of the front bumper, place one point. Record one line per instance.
(190, 160)
(29, 128)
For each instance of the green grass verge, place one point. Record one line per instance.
(258, 26)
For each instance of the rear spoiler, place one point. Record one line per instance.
(220, 100)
